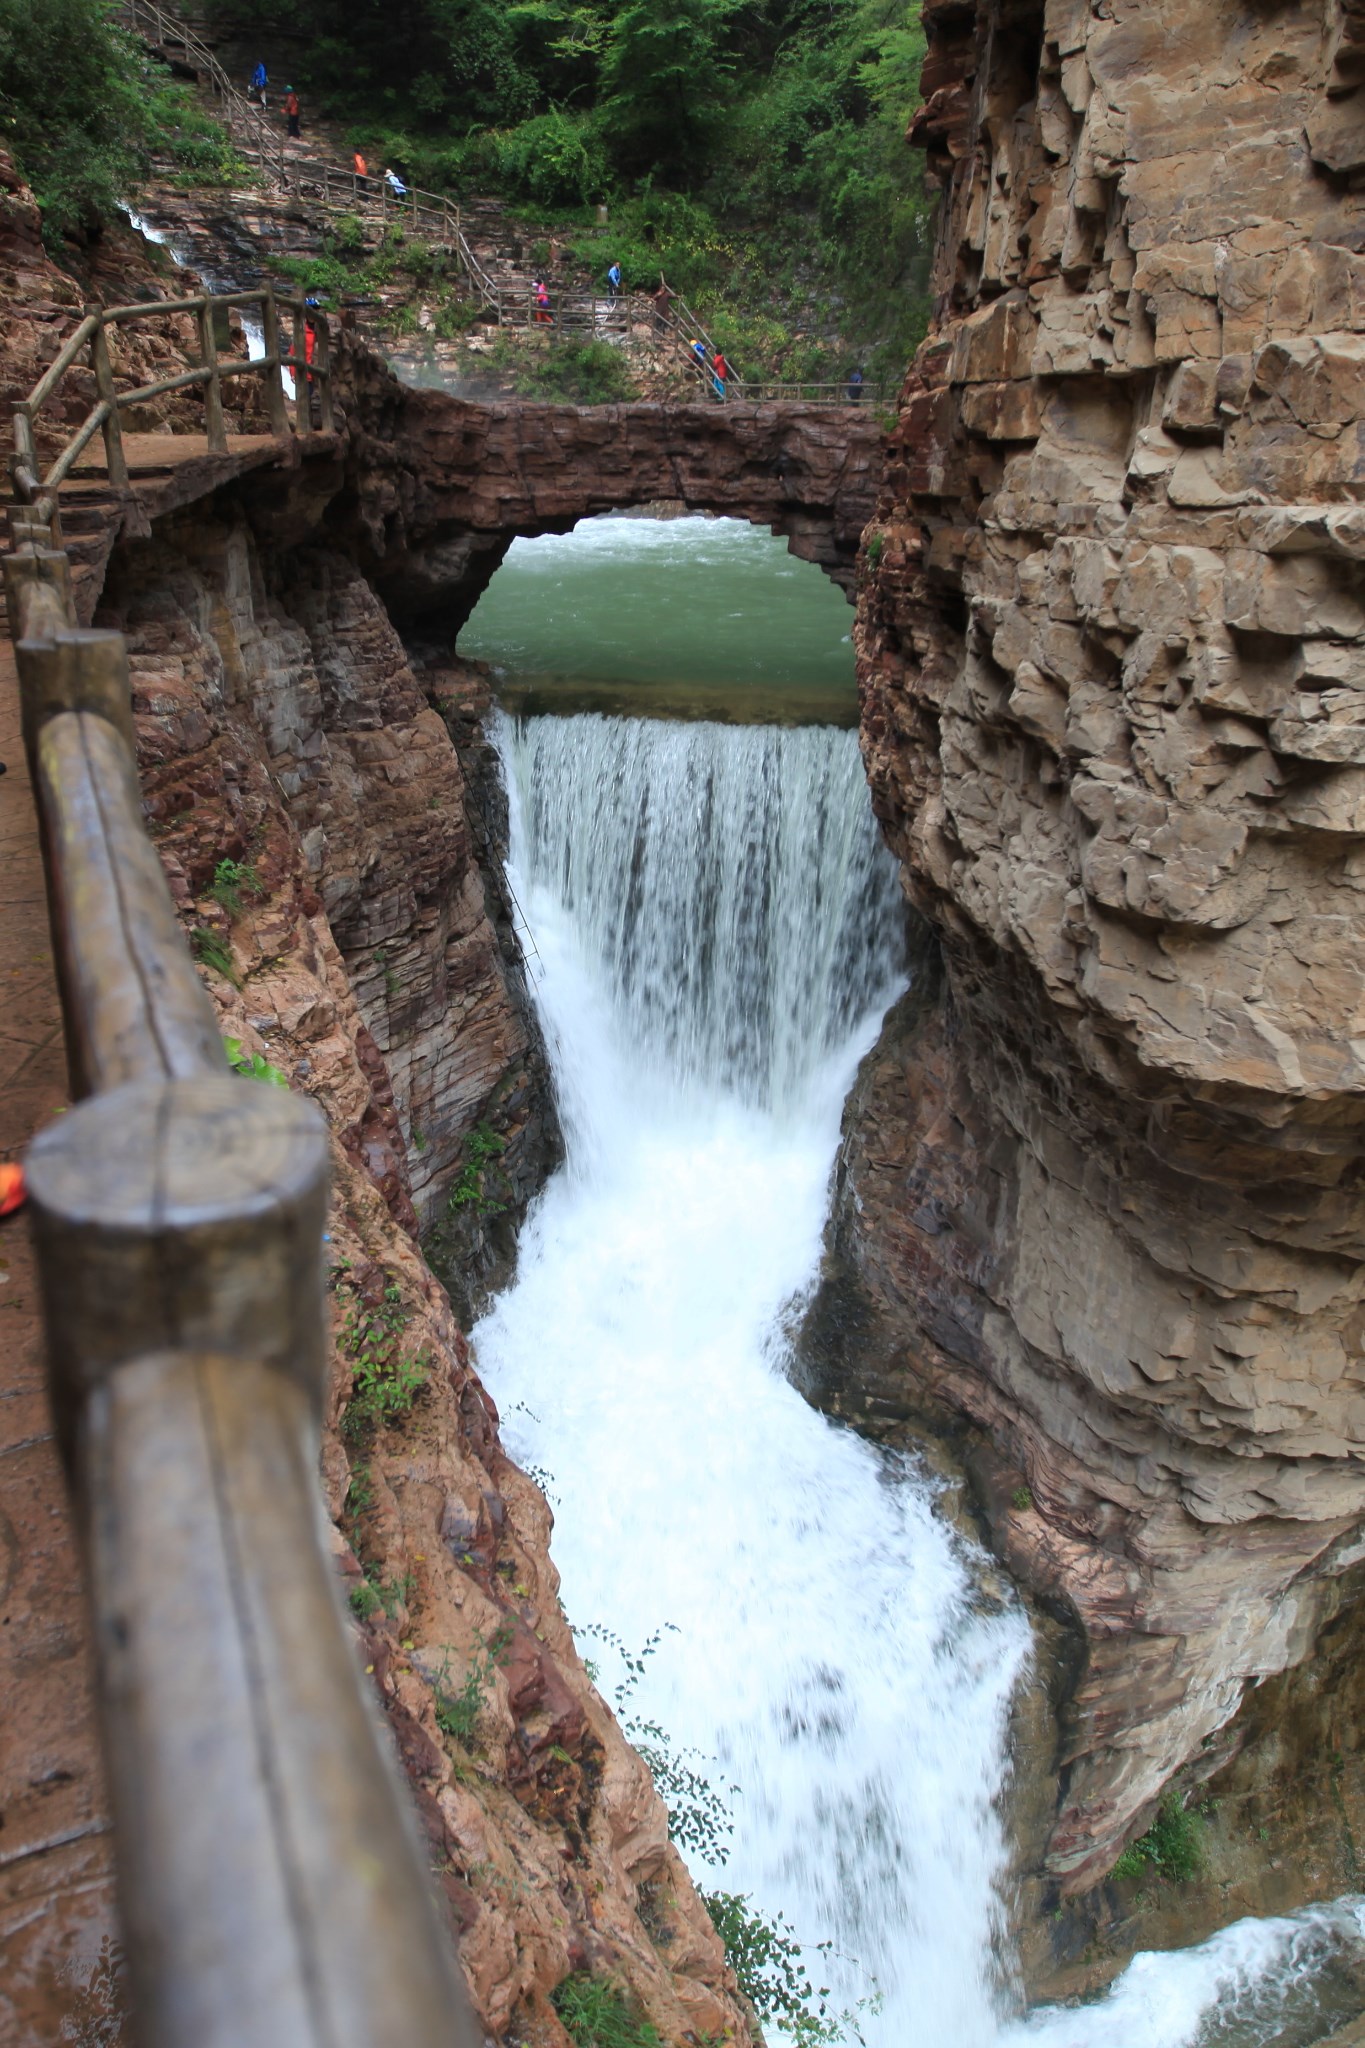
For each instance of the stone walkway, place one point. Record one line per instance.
(57, 1922)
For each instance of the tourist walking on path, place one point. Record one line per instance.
(395, 184)
(661, 299)
(855, 387)
(614, 282)
(259, 82)
(699, 355)
(544, 317)
(362, 172)
(720, 370)
(291, 112)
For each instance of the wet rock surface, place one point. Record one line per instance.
(1103, 1201)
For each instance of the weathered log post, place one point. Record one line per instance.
(214, 425)
(273, 370)
(107, 394)
(271, 1886)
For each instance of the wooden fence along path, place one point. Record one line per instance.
(334, 191)
(271, 1886)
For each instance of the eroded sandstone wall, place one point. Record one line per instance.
(1103, 1189)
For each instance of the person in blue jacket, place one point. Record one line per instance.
(614, 281)
(259, 82)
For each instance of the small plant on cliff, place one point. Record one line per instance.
(765, 1954)
(768, 1962)
(1171, 1846)
(599, 2013)
(874, 550)
(469, 1188)
(364, 1600)
(457, 1712)
(381, 960)
(385, 1382)
(230, 878)
(254, 1066)
(210, 952)
(1022, 1499)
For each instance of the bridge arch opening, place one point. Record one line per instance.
(664, 612)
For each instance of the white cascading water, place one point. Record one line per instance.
(719, 930)
(717, 934)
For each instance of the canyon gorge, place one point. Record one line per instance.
(1099, 1195)
(1096, 1228)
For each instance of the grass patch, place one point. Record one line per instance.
(230, 879)
(1172, 1846)
(210, 951)
(469, 1189)
(458, 1711)
(597, 2012)
(253, 1066)
(385, 1381)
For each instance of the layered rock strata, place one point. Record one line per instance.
(1106, 1193)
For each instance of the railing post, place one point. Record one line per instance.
(214, 426)
(323, 364)
(303, 409)
(107, 394)
(274, 375)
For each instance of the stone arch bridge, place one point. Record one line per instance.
(437, 488)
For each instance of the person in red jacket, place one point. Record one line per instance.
(720, 370)
(291, 111)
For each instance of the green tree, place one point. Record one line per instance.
(666, 79)
(74, 106)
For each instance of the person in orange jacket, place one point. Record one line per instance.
(291, 111)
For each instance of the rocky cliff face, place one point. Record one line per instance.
(1101, 1193)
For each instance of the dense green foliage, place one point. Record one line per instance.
(753, 149)
(1172, 1845)
(73, 107)
(83, 108)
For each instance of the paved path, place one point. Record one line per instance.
(56, 1894)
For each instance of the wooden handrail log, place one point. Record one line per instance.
(182, 1212)
(116, 316)
(255, 368)
(38, 598)
(271, 1887)
(72, 669)
(133, 1002)
(75, 447)
(199, 375)
(60, 364)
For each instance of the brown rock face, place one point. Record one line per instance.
(1111, 637)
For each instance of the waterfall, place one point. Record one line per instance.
(719, 931)
(727, 887)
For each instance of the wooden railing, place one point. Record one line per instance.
(271, 1886)
(37, 487)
